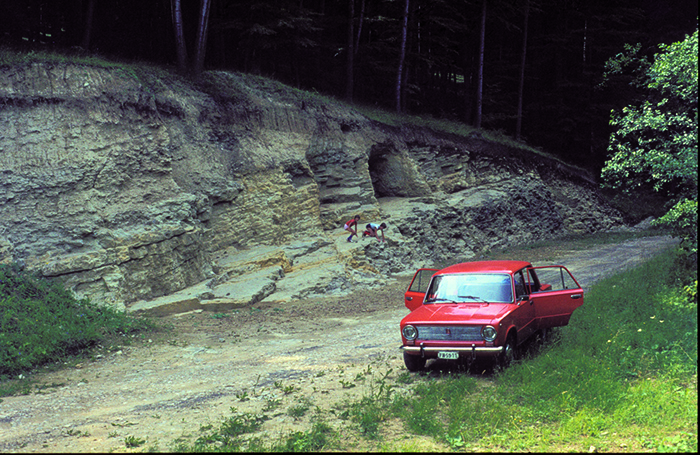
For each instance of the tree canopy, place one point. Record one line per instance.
(656, 140)
(533, 75)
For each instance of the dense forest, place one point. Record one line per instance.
(531, 68)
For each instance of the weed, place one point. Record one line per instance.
(405, 378)
(132, 442)
(72, 432)
(347, 384)
(318, 438)
(241, 423)
(242, 396)
(299, 410)
(271, 404)
(286, 389)
(122, 425)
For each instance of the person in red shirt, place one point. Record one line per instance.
(349, 227)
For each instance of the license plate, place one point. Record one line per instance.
(451, 355)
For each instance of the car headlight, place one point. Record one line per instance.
(489, 333)
(409, 332)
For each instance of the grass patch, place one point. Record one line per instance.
(41, 322)
(237, 434)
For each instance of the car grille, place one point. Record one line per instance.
(450, 333)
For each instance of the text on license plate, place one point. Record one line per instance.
(452, 355)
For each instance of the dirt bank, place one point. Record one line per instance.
(315, 353)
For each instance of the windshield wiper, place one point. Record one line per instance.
(440, 300)
(473, 297)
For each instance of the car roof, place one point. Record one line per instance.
(486, 267)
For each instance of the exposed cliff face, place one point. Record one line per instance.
(236, 191)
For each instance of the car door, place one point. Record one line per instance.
(413, 298)
(525, 313)
(556, 295)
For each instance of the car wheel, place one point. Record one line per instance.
(508, 354)
(414, 362)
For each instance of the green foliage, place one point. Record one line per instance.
(300, 408)
(233, 435)
(132, 442)
(241, 423)
(41, 321)
(683, 221)
(318, 438)
(656, 142)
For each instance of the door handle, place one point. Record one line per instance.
(409, 299)
(576, 296)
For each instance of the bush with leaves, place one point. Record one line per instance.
(656, 141)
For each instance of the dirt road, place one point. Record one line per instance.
(314, 353)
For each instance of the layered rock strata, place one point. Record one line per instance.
(152, 193)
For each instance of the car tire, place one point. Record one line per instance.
(508, 354)
(414, 362)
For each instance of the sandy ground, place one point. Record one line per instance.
(264, 359)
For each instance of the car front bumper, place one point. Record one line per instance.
(464, 351)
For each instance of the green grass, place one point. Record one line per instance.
(41, 322)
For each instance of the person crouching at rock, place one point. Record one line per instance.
(373, 229)
(349, 227)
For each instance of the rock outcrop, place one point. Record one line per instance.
(150, 193)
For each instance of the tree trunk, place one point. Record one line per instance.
(350, 69)
(359, 26)
(181, 50)
(402, 56)
(519, 117)
(480, 77)
(87, 34)
(202, 33)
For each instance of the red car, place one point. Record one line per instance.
(483, 310)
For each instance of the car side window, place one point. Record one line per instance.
(421, 281)
(519, 284)
(532, 283)
(554, 278)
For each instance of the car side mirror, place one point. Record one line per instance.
(523, 298)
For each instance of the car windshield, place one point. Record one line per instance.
(470, 287)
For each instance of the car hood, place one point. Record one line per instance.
(474, 313)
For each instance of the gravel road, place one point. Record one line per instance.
(262, 359)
